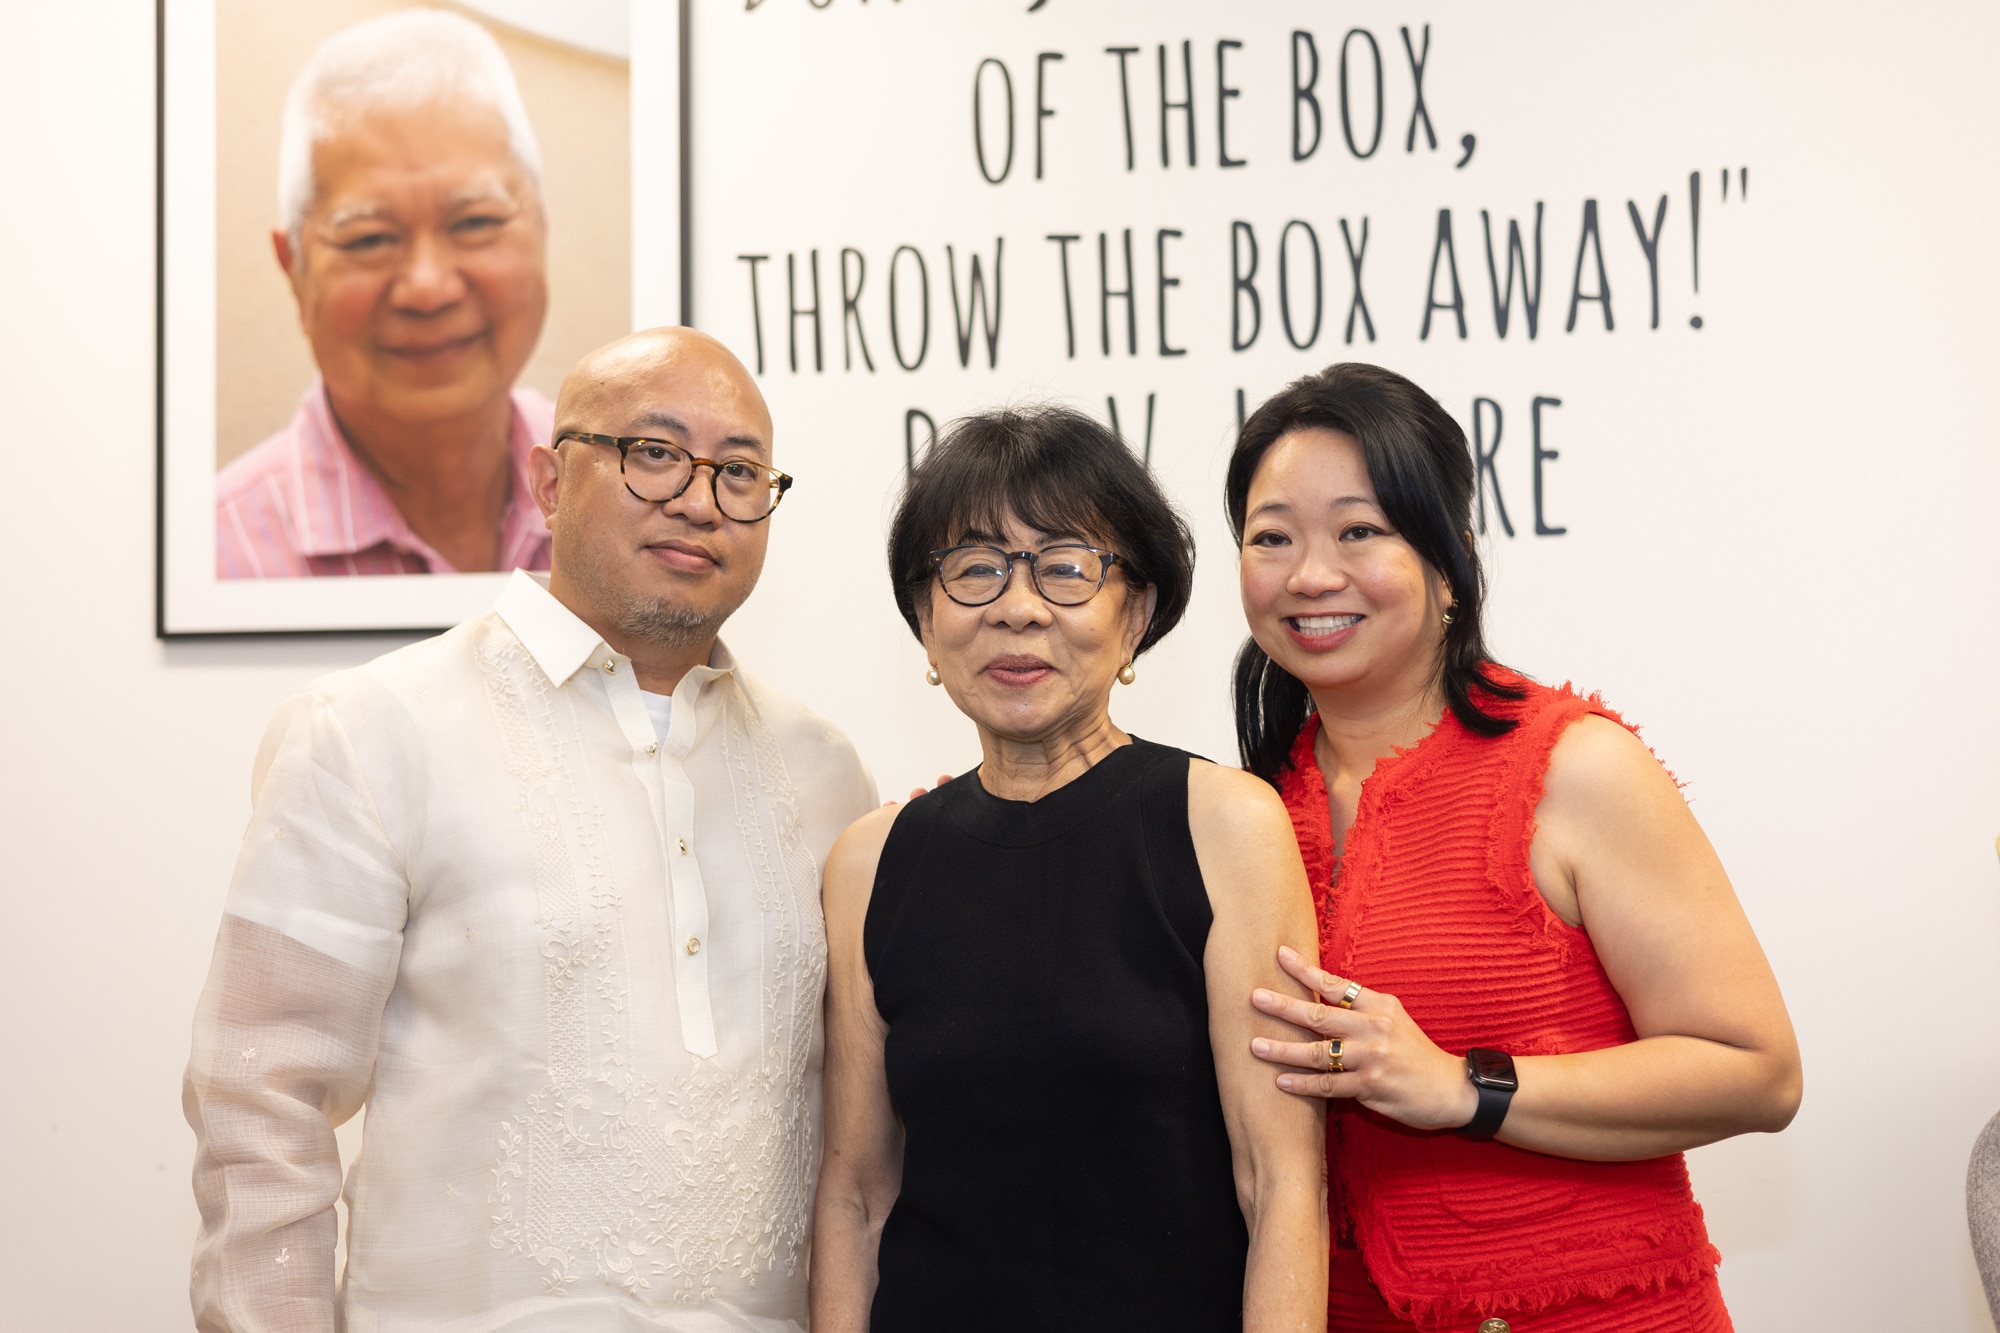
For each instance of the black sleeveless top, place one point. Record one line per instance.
(1039, 964)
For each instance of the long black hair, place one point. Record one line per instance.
(1423, 475)
(1056, 471)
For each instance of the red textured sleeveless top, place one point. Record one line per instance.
(1433, 902)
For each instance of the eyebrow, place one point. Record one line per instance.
(1281, 507)
(658, 420)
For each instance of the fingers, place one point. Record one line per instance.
(1340, 992)
(1301, 1013)
(1309, 1055)
(1322, 1085)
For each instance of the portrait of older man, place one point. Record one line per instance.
(412, 234)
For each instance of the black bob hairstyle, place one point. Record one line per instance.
(1054, 470)
(1422, 471)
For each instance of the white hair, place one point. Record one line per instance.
(400, 60)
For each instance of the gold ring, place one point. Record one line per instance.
(1350, 995)
(1333, 1061)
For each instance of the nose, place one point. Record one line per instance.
(696, 502)
(1316, 572)
(429, 280)
(1019, 603)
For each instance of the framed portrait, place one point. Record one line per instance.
(385, 230)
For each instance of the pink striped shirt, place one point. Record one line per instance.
(302, 504)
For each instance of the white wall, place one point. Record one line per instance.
(1799, 602)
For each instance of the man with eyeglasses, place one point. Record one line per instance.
(543, 894)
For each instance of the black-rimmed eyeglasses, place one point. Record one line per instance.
(658, 471)
(1069, 574)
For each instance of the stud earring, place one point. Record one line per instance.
(1126, 675)
(1447, 612)
(933, 677)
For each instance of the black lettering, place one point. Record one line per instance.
(1542, 529)
(1285, 285)
(756, 307)
(1592, 242)
(895, 308)
(1186, 108)
(1106, 293)
(975, 298)
(910, 419)
(1223, 92)
(1651, 245)
(1043, 111)
(800, 312)
(1419, 112)
(1531, 280)
(979, 120)
(1305, 96)
(1358, 304)
(1346, 103)
(1446, 250)
(1069, 310)
(1160, 255)
(1243, 283)
(1483, 458)
(1124, 94)
(850, 309)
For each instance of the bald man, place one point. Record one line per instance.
(542, 894)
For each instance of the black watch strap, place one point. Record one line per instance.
(1492, 1077)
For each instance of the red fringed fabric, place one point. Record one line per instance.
(1432, 901)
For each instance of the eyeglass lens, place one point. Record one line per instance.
(1065, 575)
(658, 473)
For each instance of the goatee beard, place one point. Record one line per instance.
(667, 625)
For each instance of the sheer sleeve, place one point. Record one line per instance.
(286, 1033)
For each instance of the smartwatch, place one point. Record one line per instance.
(1492, 1075)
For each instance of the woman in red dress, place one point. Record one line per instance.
(1540, 988)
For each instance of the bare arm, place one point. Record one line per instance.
(1617, 851)
(1257, 892)
(862, 1171)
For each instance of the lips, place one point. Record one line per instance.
(436, 349)
(687, 556)
(1019, 670)
(1323, 631)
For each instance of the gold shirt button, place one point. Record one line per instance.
(682, 843)
(1495, 1326)
(610, 667)
(654, 748)
(694, 946)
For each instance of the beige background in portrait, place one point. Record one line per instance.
(578, 103)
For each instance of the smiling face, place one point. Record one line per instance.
(419, 268)
(1332, 592)
(666, 574)
(1026, 670)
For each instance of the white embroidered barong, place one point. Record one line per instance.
(573, 970)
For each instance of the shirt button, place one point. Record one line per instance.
(1495, 1326)
(693, 945)
(654, 748)
(610, 667)
(682, 843)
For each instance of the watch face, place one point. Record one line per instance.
(1493, 1069)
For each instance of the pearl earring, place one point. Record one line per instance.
(1126, 675)
(933, 677)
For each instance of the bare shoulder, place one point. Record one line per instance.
(1599, 768)
(850, 866)
(1230, 805)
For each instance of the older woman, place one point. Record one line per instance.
(1542, 987)
(1041, 1107)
